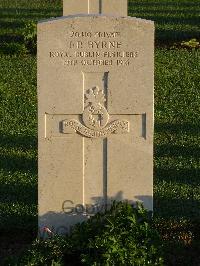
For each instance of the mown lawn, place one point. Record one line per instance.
(175, 20)
(177, 122)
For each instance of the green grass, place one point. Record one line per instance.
(175, 20)
(177, 153)
(177, 138)
(15, 14)
(177, 122)
(18, 151)
(177, 183)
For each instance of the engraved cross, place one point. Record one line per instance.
(95, 125)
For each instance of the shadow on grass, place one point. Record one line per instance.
(16, 18)
(24, 143)
(176, 150)
(180, 206)
(25, 11)
(170, 18)
(30, 13)
(17, 155)
(169, 208)
(158, 4)
(11, 24)
(10, 38)
(174, 20)
(165, 11)
(18, 186)
(183, 176)
(177, 216)
(172, 35)
(174, 128)
(18, 193)
(14, 162)
(14, 242)
(31, 17)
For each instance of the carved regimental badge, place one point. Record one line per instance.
(95, 118)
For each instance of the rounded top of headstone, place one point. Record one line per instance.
(114, 7)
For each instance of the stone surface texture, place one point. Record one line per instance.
(95, 98)
(112, 7)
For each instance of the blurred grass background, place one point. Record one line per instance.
(175, 20)
(177, 122)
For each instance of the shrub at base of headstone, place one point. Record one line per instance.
(121, 236)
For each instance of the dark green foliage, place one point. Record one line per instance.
(29, 34)
(121, 236)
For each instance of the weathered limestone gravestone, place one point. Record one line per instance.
(95, 110)
(114, 7)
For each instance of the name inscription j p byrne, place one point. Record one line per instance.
(94, 49)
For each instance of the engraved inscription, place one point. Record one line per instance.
(98, 34)
(94, 49)
(118, 126)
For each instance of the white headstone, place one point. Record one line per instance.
(113, 7)
(95, 101)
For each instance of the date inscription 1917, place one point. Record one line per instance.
(94, 49)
